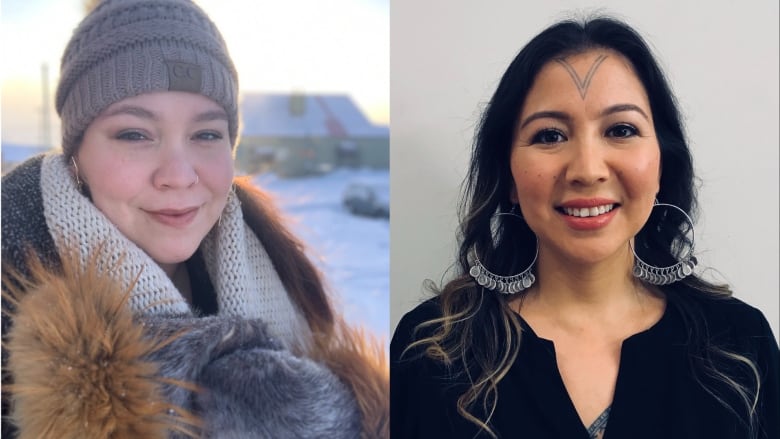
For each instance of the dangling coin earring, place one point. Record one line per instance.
(504, 284)
(673, 273)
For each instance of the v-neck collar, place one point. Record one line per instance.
(542, 379)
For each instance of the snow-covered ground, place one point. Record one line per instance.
(353, 252)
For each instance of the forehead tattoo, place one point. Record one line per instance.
(582, 84)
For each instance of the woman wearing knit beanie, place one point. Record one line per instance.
(146, 291)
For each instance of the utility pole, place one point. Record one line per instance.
(46, 116)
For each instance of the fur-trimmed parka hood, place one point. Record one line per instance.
(84, 366)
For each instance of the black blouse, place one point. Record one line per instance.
(656, 394)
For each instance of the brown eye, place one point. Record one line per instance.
(622, 131)
(549, 136)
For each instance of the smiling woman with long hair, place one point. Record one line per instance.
(146, 291)
(577, 312)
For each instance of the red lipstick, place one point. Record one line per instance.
(587, 214)
(587, 202)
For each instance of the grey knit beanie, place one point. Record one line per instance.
(125, 48)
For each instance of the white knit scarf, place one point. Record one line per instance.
(241, 271)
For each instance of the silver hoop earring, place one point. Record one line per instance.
(673, 273)
(79, 184)
(197, 179)
(504, 284)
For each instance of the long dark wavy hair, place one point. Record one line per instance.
(478, 330)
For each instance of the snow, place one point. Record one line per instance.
(352, 252)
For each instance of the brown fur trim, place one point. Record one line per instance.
(77, 359)
(359, 360)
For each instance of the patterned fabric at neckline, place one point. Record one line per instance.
(598, 426)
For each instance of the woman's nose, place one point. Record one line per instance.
(587, 164)
(175, 169)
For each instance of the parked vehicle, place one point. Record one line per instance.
(367, 198)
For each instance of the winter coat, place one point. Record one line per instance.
(87, 358)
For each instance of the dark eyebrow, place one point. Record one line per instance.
(132, 110)
(624, 107)
(566, 118)
(545, 114)
(211, 115)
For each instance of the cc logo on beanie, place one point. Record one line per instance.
(184, 76)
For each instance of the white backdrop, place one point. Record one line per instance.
(721, 58)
